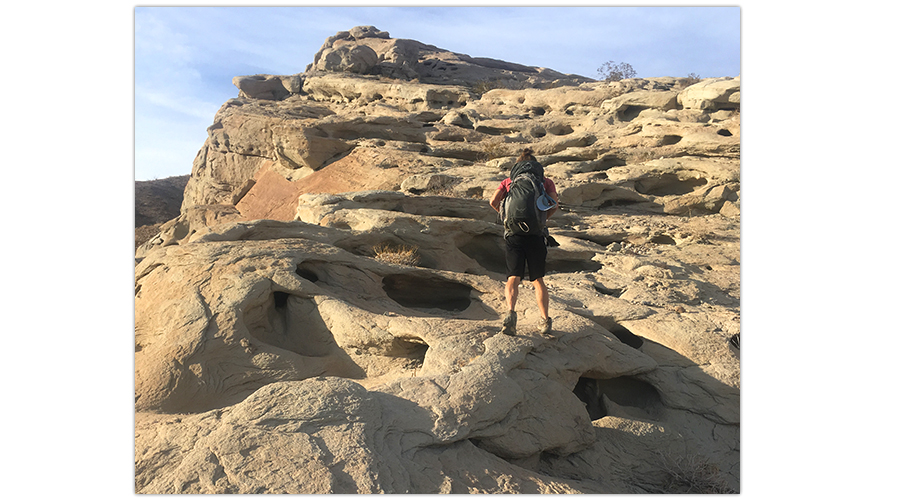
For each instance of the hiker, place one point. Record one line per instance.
(526, 239)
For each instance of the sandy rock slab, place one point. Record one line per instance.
(317, 436)
(253, 337)
(323, 316)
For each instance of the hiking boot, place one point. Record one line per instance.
(509, 324)
(546, 326)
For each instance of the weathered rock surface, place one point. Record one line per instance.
(277, 350)
(368, 50)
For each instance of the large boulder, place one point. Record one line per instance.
(352, 59)
(366, 49)
(323, 315)
(267, 87)
(712, 95)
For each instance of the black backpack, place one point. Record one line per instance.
(519, 212)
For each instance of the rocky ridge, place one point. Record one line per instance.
(278, 348)
(156, 202)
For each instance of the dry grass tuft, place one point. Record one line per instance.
(402, 255)
(691, 474)
(492, 148)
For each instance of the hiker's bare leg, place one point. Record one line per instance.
(512, 291)
(543, 297)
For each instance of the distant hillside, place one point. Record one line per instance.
(156, 202)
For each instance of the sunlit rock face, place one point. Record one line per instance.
(323, 316)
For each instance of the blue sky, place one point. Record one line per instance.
(185, 57)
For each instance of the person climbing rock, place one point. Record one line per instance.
(525, 200)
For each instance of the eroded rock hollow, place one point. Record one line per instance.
(323, 316)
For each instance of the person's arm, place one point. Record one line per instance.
(555, 207)
(497, 198)
(550, 188)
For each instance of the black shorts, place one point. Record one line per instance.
(522, 249)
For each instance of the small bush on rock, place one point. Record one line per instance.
(691, 79)
(402, 255)
(483, 86)
(690, 474)
(492, 148)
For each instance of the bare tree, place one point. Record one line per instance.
(612, 71)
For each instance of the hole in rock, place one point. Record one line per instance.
(667, 184)
(413, 351)
(609, 161)
(629, 113)
(339, 224)
(724, 132)
(291, 323)
(305, 271)
(430, 292)
(625, 336)
(668, 140)
(488, 251)
(463, 154)
(484, 129)
(561, 130)
(281, 299)
(617, 202)
(564, 158)
(180, 231)
(613, 292)
(538, 111)
(572, 266)
(383, 133)
(663, 239)
(624, 391)
(428, 117)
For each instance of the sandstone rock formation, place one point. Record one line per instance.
(277, 350)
